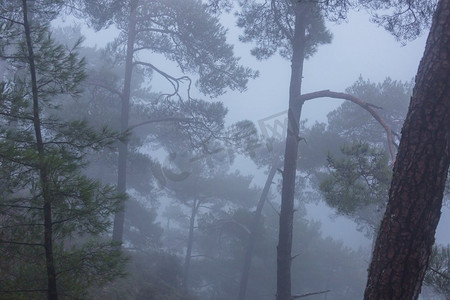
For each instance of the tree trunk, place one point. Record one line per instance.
(187, 260)
(254, 232)
(284, 247)
(119, 218)
(43, 168)
(406, 235)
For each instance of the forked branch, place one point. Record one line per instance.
(174, 81)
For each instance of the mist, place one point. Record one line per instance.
(151, 139)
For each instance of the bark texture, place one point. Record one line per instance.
(407, 231)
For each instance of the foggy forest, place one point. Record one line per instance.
(224, 149)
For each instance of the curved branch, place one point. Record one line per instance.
(174, 81)
(367, 106)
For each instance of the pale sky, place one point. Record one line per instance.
(358, 48)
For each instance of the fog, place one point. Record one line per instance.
(359, 48)
(194, 180)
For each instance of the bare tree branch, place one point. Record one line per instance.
(367, 106)
(309, 294)
(440, 274)
(11, 20)
(174, 81)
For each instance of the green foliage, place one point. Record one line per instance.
(182, 31)
(204, 125)
(405, 19)
(98, 106)
(93, 263)
(357, 182)
(270, 25)
(408, 19)
(362, 171)
(390, 97)
(358, 176)
(80, 208)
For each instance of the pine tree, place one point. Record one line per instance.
(52, 216)
(185, 32)
(404, 242)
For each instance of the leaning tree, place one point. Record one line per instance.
(406, 235)
(294, 29)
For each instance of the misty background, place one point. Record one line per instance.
(182, 201)
(358, 48)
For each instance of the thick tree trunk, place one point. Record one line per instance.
(254, 232)
(119, 218)
(406, 235)
(284, 247)
(190, 243)
(52, 293)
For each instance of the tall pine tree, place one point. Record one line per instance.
(52, 217)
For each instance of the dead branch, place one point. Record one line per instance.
(174, 81)
(309, 294)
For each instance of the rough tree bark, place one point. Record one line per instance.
(406, 235)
